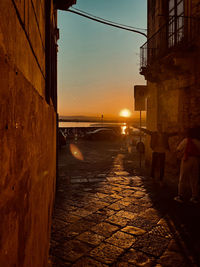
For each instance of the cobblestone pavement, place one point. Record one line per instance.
(108, 213)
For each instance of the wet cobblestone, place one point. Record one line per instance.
(109, 213)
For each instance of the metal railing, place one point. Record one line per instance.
(163, 41)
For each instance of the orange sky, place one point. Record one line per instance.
(98, 65)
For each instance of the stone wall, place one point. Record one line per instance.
(173, 100)
(27, 136)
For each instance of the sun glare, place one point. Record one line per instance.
(125, 113)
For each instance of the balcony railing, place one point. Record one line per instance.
(167, 38)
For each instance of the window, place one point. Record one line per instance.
(176, 22)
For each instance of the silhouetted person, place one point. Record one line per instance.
(189, 152)
(160, 145)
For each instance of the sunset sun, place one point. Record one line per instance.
(125, 113)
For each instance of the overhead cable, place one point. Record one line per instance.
(105, 22)
(123, 25)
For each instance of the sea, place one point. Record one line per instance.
(88, 124)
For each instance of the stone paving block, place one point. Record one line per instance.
(125, 193)
(125, 214)
(113, 179)
(100, 204)
(136, 258)
(138, 201)
(61, 212)
(133, 230)
(130, 199)
(61, 236)
(142, 189)
(133, 181)
(88, 262)
(91, 238)
(121, 240)
(72, 207)
(151, 214)
(142, 202)
(103, 190)
(174, 259)
(117, 196)
(91, 208)
(78, 228)
(96, 217)
(135, 208)
(122, 173)
(116, 188)
(106, 253)
(119, 221)
(142, 223)
(116, 206)
(58, 224)
(81, 212)
(151, 244)
(161, 231)
(105, 229)
(109, 199)
(147, 197)
(70, 218)
(130, 187)
(88, 201)
(123, 203)
(106, 212)
(71, 250)
(139, 194)
(100, 195)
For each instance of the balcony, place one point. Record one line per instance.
(64, 4)
(175, 36)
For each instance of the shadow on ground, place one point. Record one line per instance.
(108, 212)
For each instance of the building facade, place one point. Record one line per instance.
(28, 119)
(170, 63)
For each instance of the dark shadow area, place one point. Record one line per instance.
(183, 220)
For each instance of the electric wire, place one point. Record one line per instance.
(123, 25)
(107, 23)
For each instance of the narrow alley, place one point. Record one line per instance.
(109, 213)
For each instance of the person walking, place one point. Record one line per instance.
(189, 152)
(160, 145)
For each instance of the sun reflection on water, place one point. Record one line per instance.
(123, 129)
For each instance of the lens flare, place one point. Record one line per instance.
(125, 113)
(76, 152)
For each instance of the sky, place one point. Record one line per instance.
(98, 65)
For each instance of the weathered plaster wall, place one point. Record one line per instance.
(27, 137)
